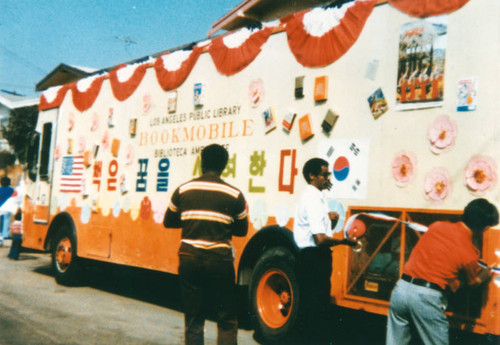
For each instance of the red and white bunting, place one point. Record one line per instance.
(52, 98)
(232, 53)
(427, 8)
(320, 36)
(85, 91)
(125, 79)
(173, 68)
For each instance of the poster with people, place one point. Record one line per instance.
(422, 50)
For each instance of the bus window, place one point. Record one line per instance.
(32, 156)
(45, 152)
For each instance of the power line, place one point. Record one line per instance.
(23, 60)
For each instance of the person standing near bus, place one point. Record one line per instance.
(210, 212)
(313, 231)
(441, 256)
(16, 233)
(6, 192)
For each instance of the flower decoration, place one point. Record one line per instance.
(94, 124)
(403, 168)
(442, 134)
(129, 156)
(480, 174)
(146, 103)
(81, 144)
(146, 208)
(71, 121)
(437, 184)
(105, 140)
(57, 152)
(256, 92)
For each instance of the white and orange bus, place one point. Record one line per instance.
(390, 100)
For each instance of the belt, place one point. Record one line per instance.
(421, 282)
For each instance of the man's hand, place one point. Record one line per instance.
(484, 275)
(349, 242)
(334, 218)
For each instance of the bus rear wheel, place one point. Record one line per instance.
(64, 260)
(274, 295)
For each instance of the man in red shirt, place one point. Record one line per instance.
(443, 253)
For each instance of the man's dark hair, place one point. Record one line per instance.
(479, 214)
(313, 166)
(18, 215)
(5, 181)
(214, 158)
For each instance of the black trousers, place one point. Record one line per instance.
(208, 285)
(315, 270)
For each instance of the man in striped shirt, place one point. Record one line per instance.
(210, 212)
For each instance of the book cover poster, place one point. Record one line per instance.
(288, 120)
(269, 120)
(467, 94)
(422, 50)
(305, 127)
(199, 96)
(172, 101)
(348, 160)
(378, 103)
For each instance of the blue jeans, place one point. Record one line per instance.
(15, 247)
(417, 309)
(5, 225)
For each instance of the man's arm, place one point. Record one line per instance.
(172, 217)
(240, 225)
(323, 240)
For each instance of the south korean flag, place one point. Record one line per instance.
(348, 163)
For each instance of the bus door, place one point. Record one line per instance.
(44, 168)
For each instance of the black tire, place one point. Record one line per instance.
(65, 262)
(274, 295)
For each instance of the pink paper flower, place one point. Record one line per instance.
(94, 124)
(146, 103)
(256, 92)
(57, 152)
(403, 168)
(105, 140)
(437, 184)
(480, 174)
(81, 144)
(71, 121)
(129, 157)
(442, 134)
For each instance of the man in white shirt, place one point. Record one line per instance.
(313, 234)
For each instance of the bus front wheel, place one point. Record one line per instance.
(64, 260)
(274, 295)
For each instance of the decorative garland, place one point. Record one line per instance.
(320, 36)
(85, 92)
(234, 52)
(124, 89)
(173, 68)
(427, 8)
(53, 97)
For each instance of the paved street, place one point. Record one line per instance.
(119, 305)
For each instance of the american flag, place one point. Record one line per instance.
(72, 174)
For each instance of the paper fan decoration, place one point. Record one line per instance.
(233, 52)
(437, 184)
(256, 92)
(173, 68)
(442, 134)
(320, 36)
(427, 8)
(480, 174)
(53, 97)
(403, 168)
(125, 79)
(85, 92)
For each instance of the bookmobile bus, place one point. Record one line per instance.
(399, 97)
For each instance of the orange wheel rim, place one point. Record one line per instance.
(63, 254)
(274, 298)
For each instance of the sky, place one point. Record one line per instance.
(37, 35)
